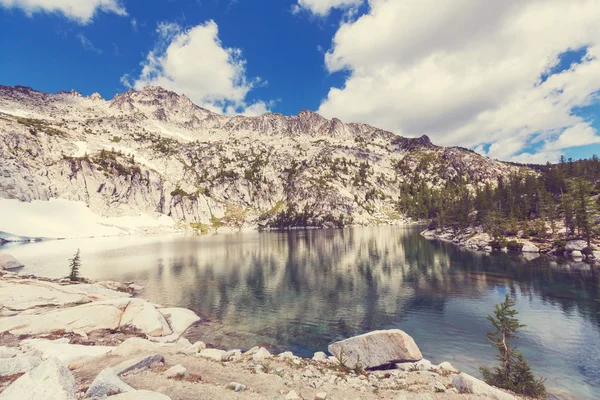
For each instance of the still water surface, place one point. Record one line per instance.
(301, 290)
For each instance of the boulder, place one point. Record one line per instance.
(320, 356)
(19, 365)
(233, 355)
(446, 366)
(321, 396)
(137, 363)
(183, 342)
(576, 245)
(106, 383)
(8, 262)
(467, 384)
(196, 347)
(478, 241)
(261, 354)
(140, 395)
(49, 380)
(287, 355)
(529, 247)
(176, 371)
(252, 351)
(235, 386)
(376, 348)
(214, 354)
(144, 316)
(575, 254)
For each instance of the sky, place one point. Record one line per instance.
(516, 80)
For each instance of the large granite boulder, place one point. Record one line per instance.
(576, 245)
(529, 247)
(376, 348)
(49, 380)
(8, 262)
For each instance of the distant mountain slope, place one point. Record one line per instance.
(155, 152)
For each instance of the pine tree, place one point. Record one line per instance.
(513, 373)
(74, 265)
(585, 206)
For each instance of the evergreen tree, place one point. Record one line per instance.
(513, 372)
(585, 207)
(74, 265)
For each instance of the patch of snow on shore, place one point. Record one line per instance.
(59, 218)
(81, 149)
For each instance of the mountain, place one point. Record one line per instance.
(154, 152)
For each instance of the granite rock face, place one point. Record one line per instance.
(156, 153)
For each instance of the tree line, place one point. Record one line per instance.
(533, 200)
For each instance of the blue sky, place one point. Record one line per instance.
(518, 80)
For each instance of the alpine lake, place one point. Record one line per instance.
(300, 290)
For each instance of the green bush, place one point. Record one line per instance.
(514, 245)
(498, 244)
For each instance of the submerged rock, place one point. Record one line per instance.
(8, 262)
(376, 348)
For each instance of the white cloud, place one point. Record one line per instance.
(81, 11)
(468, 72)
(322, 7)
(194, 62)
(87, 44)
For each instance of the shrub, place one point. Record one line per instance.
(498, 244)
(514, 245)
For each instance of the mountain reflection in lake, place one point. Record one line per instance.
(301, 290)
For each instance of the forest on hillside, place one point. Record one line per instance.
(535, 202)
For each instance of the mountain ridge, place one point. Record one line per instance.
(154, 151)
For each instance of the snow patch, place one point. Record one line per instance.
(82, 149)
(60, 218)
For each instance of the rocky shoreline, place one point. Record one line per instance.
(94, 340)
(478, 240)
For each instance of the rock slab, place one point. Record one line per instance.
(376, 348)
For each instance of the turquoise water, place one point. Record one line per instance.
(301, 290)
